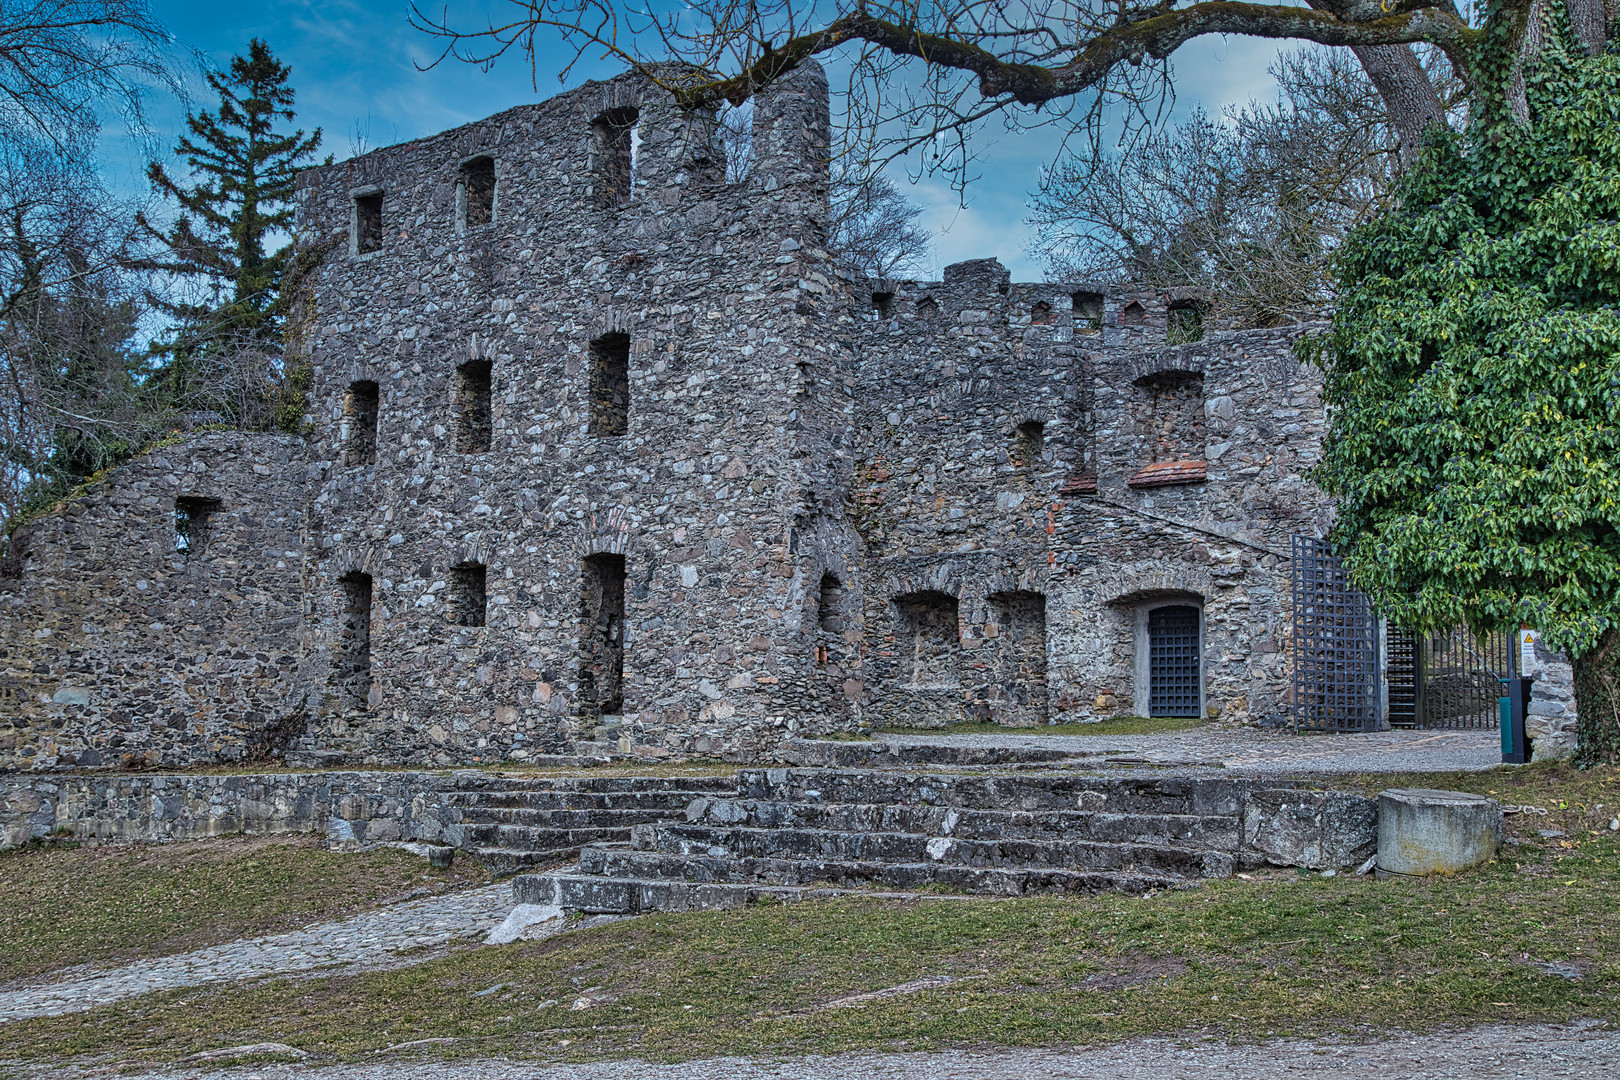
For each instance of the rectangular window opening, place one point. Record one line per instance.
(1088, 310)
(883, 304)
(192, 522)
(469, 597)
(1184, 323)
(830, 606)
(474, 415)
(601, 668)
(477, 191)
(1029, 443)
(368, 228)
(616, 139)
(610, 385)
(353, 659)
(360, 409)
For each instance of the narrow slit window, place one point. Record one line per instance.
(477, 192)
(368, 223)
(616, 155)
(830, 608)
(601, 669)
(360, 409)
(193, 520)
(353, 651)
(474, 415)
(1029, 443)
(610, 385)
(469, 596)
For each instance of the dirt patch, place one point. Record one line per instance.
(1124, 971)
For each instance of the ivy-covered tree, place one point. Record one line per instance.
(230, 242)
(1473, 379)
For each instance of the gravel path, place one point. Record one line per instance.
(1498, 1052)
(1257, 750)
(372, 939)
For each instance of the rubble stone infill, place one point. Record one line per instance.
(375, 939)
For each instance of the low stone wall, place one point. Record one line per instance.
(350, 808)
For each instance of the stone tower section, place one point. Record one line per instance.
(568, 407)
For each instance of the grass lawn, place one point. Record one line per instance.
(94, 904)
(1118, 725)
(1533, 936)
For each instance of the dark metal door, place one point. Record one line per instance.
(1173, 661)
(1404, 676)
(1335, 644)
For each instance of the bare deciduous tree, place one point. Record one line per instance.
(1064, 61)
(1248, 208)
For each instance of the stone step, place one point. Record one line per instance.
(1044, 791)
(671, 800)
(501, 861)
(603, 860)
(531, 838)
(568, 817)
(1185, 830)
(878, 753)
(474, 782)
(821, 846)
(624, 896)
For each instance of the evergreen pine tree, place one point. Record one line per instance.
(238, 199)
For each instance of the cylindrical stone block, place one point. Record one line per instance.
(1423, 832)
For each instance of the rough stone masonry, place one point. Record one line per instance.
(604, 453)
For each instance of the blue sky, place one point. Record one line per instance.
(355, 69)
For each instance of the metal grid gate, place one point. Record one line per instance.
(1460, 678)
(1173, 662)
(1335, 644)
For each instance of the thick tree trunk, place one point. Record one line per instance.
(1597, 702)
(1590, 21)
(1410, 100)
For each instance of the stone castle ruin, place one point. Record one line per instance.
(604, 454)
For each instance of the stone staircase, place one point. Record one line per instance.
(509, 823)
(793, 833)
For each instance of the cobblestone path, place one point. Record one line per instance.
(372, 939)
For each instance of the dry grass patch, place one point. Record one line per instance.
(63, 905)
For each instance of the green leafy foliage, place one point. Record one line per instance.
(1473, 372)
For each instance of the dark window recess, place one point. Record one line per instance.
(615, 143)
(1133, 314)
(601, 663)
(1173, 661)
(610, 385)
(474, 418)
(193, 520)
(1029, 442)
(1041, 314)
(367, 223)
(930, 639)
(468, 596)
(478, 192)
(830, 606)
(883, 304)
(927, 308)
(360, 408)
(352, 656)
(1088, 310)
(1184, 323)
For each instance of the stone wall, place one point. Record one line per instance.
(653, 338)
(124, 642)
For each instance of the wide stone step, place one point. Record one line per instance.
(622, 862)
(501, 861)
(878, 753)
(529, 838)
(676, 799)
(1195, 796)
(467, 781)
(626, 895)
(1184, 830)
(818, 845)
(568, 818)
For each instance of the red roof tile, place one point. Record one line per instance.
(1165, 473)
